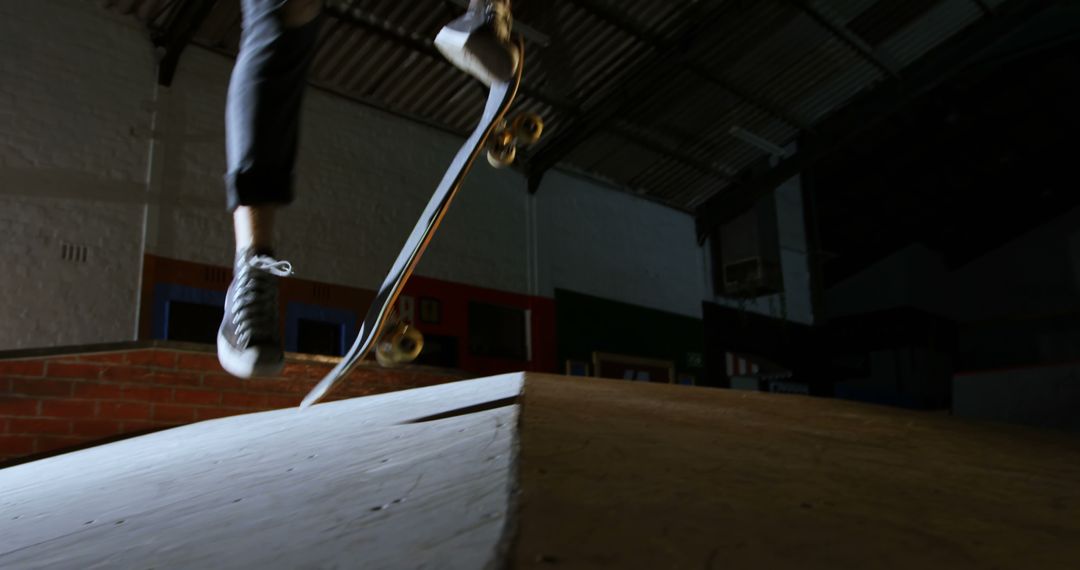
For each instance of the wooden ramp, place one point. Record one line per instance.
(535, 471)
(350, 484)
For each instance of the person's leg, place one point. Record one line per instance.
(262, 130)
(253, 227)
(479, 41)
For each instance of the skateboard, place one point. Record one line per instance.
(400, 342)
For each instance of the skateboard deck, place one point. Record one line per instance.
(500, 97)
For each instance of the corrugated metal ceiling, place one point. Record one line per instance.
(767, 70)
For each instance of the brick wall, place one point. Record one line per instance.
(49, 403)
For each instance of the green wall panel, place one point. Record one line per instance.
(587, 324)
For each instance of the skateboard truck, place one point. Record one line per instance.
(401, 344)
(523, 130)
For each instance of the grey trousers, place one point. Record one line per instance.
(262, 114)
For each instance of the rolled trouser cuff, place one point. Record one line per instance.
(253, 188)
(262, 115)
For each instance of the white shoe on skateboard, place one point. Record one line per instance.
(479, 42)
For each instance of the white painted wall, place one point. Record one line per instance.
(365, 175)
(914, 276)
(1044, 396)
(1037, 273)
(74, 87)
(363, 178)
(88, 144)
(609, 244)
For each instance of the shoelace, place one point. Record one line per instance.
(255, 301)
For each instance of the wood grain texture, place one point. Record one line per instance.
(635, 475)
(350, 484)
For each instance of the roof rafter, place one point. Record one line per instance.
(635, 88)
(622, 23)
(177, 34)
(874, 56)
(986, 7)
(426, 46)
(888, 97)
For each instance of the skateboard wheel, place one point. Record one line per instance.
(501, 158)
(400, 345)
(527, 127)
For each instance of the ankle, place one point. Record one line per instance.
(254, 228)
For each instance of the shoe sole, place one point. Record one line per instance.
(244, 364)
(452, 44)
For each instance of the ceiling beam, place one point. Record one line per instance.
(887, 98)
(986, 7)
(373, 25)
(659, 148)
(841, 32)
(746, 97)
(649, 38)
(426, 46)
(177, 34)
(635, 87)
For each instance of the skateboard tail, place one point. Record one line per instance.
(500, 97)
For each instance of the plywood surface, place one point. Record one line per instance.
(635, 475)
(351, 484)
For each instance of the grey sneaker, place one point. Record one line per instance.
(248, 341)
(479, 41)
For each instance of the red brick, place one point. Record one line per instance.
(82, 371)
(276, 401)
(125, 373)
(294, 369)
(147, 394)
(155, 358)
(175, 378)
(242, 400)
(222, 381)
(18, 406)
(304, 371)
(68, 409)
(39, 426)
(358, 391)
(51, 443)
(95, 428)
(139, 427)
(197, 397)
(191, 361)
(41, 387)
(34, 368)
(276, 386)
(14, 445)
(163, 413)
(124, 411)
(98, 391)
(214, 413)
(105, 357)
(136, 393)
